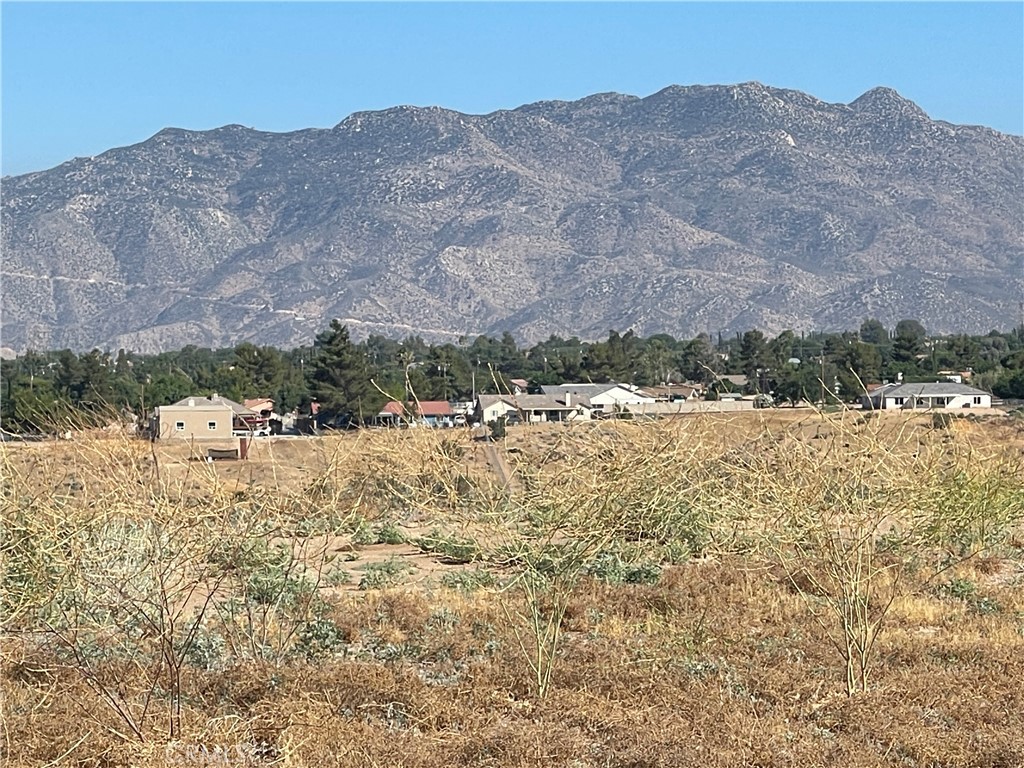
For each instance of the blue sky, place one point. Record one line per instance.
(81, 78)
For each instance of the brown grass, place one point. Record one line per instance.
(719, 662)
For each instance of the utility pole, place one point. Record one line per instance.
(822, 380)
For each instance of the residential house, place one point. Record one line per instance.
(736, 381)
(264, 406)
(261, 405)
(195, 418)
(391, 415)
(941, 394)
(959, 377)
(532, 408)
(435, 413)
(601, 398)
(672, 393)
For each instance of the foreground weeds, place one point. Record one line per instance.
(712, 591)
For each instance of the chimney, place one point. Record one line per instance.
(568, 399)
(191, 402)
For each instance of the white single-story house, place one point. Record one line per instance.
(603, 398)
(531, 408)
(947, 395)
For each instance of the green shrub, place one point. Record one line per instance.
(318, 638)
(384, 574)
(966, 591)
(337, 577)
(468, 581)
(450, 548)
(390, 534)
(364, 534)
(609, 567)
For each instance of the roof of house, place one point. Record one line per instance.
(935, 389)
(669, 390)
(435, 408)
(660, 408)
(393, 408)
(198, 401)
(534, 402)
(590, 390)
(259, 403)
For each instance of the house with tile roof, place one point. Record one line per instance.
(435, 413)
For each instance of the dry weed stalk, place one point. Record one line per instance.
(849, 515)
(582, 499)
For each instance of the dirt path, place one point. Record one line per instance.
(500, 466)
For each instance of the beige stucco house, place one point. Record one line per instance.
(199, 418)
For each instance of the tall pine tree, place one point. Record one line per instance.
(339, 378)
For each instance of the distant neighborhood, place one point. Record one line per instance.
(214, 416)
(339, 383)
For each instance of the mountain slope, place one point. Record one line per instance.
(699, 208)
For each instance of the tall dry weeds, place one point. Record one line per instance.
(169, 601)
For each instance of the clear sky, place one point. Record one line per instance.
(81, 78)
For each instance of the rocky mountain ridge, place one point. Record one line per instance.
(701, 208)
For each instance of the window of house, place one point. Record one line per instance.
(211, 425)
(179, 426)
(897, 401)
(977, 399)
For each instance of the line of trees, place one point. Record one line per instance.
(356, 378)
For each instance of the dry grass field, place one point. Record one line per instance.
(780, 588)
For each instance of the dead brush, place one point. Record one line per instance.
(118, 576)
(880, 502)
(721, 661)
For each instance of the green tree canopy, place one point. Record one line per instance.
(339, 377)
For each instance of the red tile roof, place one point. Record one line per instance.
(393, 408)
(435, 408)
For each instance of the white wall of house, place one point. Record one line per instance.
(534, 415)
(950, 402)
(495, 411)
(615, 396)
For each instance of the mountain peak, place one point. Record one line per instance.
(885, 100)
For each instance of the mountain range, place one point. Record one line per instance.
(695, 209)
